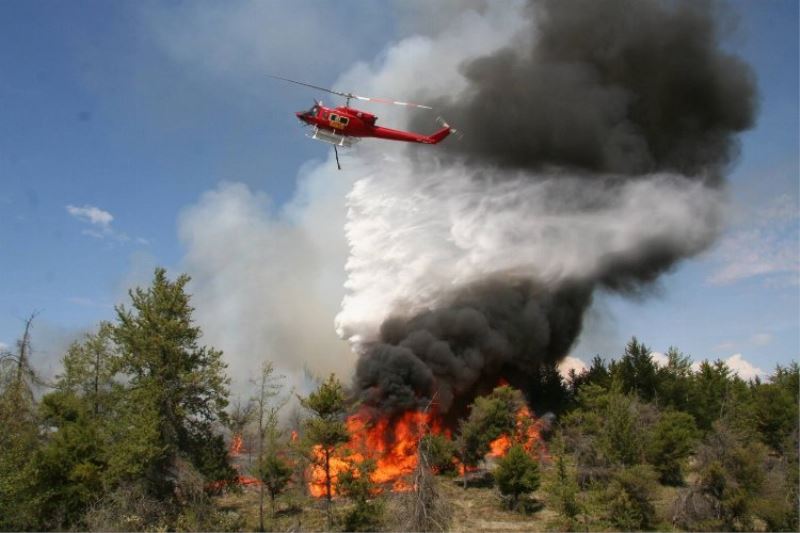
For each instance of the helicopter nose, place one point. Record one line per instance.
(301, 116)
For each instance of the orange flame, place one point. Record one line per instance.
(527, 433)
(391, 442)
(237, 444)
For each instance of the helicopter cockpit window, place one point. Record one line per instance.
(313, 111)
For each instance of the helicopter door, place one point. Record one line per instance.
(338, 122)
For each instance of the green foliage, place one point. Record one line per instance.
(674, 381)
(730, 476)
(326, 428)
(629, 497)
(516, 474)
(356, 484)
(440, 452)
(178, 385)
(490, 417)
(635, 371)
(621, 437)
(275, 473)
(19, 439)
(775, 407)
(671, 441)
(563, 490)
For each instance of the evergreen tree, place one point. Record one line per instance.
(274, 473)
(177, 390)
(326, 430)
(70, 467)
(635, 371)
(670, 443)
(517, 473)
(629, 497)
(489, 417)
(440, 452)
(356, 483)
(268, 403)
(19, 437)
(775, 408)
(674, 381)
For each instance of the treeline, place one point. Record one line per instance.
(129, 436)
(636, 429)
(129, 433)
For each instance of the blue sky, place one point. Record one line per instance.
(137, 109)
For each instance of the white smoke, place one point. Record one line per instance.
(416, 236)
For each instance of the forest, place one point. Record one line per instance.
(139, 431)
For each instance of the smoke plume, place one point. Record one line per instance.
(620, 86)
(595, 144)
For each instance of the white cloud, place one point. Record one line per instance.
(571, 363)
(745, 369)
(93, 215)
(3, 347)
(659, 359)
(99, 221)
(739, 365)
(767, 245)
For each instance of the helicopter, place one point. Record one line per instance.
(344, 126)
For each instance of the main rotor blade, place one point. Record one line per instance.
(313, 86)
(385, 101)
(351, 95)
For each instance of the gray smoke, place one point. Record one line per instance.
(636, 95)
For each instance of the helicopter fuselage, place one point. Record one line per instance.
(340, 122)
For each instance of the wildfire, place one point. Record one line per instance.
(527, 433)
(237, 444)
(392, 443)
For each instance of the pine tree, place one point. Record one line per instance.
(70, 466)
(517, 473)
(490, 416)
(326, 430)
(268, 403)
(274, 473)
(177, 390)
(19, 437)
(670, 443)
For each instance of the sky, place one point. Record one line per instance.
(132, 134)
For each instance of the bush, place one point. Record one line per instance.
(440, 452)
(629, 498)
(516, 474)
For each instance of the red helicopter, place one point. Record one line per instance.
(344, 126)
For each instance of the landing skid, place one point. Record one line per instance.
(331, 137)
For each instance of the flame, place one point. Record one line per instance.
(527, 433)
(391, 442)
(237, 444)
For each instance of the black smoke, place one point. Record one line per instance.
(487, 330)
(613, 86)
(610, 90)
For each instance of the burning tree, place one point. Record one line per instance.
(326, 430)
